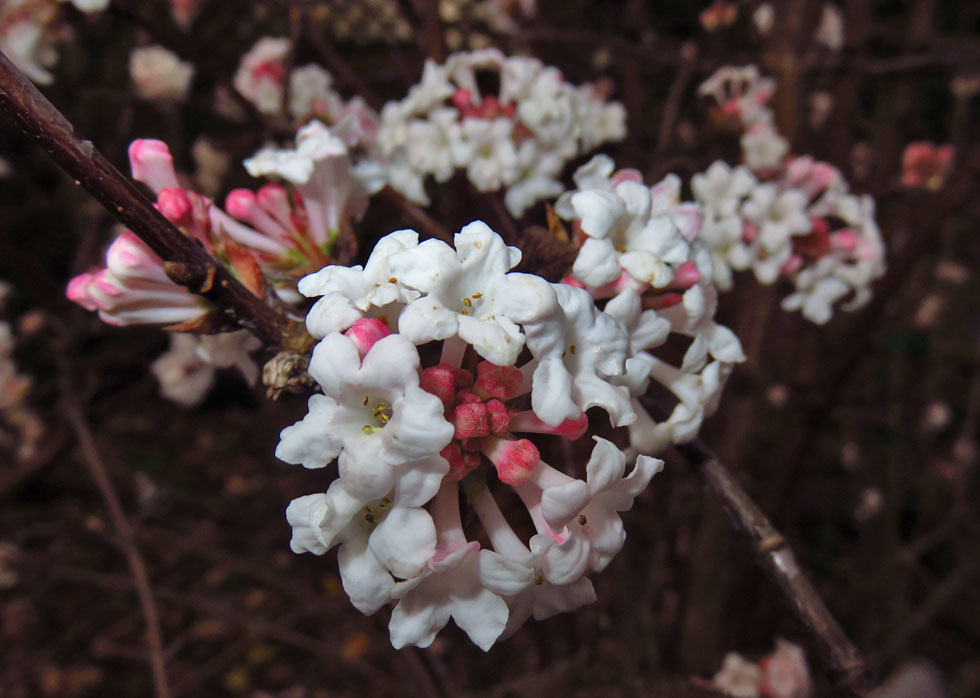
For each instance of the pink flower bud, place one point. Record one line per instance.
(685, 276)
(471, 420)
(461, 463)
(498, 381)
(791, 265)
(514, 460)
(499, 417)
(572, 281)
(365, 332)
(79, 291)
(176, 206)
(750, 231)
(129, 257)
(152, 164)
(443, 381)
(844, 240)
(240, 203)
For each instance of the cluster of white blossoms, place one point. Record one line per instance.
(29, 30)
(264, 78)
(784, 217)
(511, 122)
(439, 368)
(639, 248)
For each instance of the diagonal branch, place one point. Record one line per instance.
(774, 554)
(189, 264)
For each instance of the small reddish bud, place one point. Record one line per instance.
(498, 381)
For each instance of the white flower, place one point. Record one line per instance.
(159, 74)
(380, 540)
(577, 351)
(90, 5)
(372, 413)
(468, 292)
(721, 188)
(763, 147)
(310, 94)
(610, 493)
(453, 584)
(25, 44)
(320, 168)
(349, 293)
(261, 74)
(186, 371)
(830, 30)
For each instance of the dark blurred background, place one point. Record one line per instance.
(859, 438)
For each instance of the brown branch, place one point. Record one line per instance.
(430, 32)
(126, 539)
(191, 265)
(426, 223)
(774, 554)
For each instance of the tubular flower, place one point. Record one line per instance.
(639, 254)
(451, 402)
(299, 231)
(517, 139)
(790, 218)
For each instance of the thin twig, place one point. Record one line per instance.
(137, 567)
(191, 265)
(773, 552)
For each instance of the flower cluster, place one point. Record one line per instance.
(926, 165)
(783, 673)
(439, 369)
(29, 30)
(511, 123)
(264, 79)
(639, 253)
(784, 217)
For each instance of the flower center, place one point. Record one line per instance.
(377, 415)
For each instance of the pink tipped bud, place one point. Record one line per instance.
(498, 381)
(365, 332)
(791, 265)
(686, 275)
(176, 206)
(844, 240)
(240, 203)
(514, 460)
(529, 422)
(152, 164)
(499, 417)
(129, 257)
(274, 199)
(472, 421)
(750, 231)
(443, 381)
(461, 463)
(463, 99)
(572, 281)
(79, 291)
